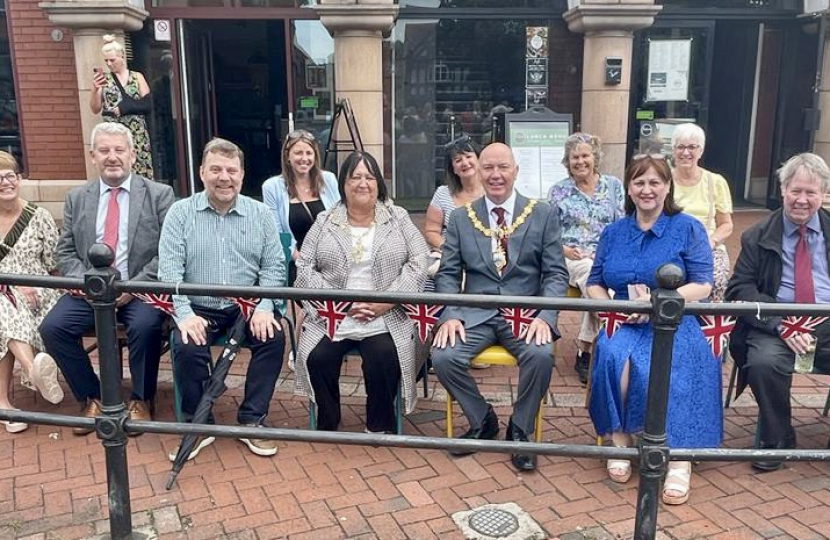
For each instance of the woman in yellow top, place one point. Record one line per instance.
(703, 195)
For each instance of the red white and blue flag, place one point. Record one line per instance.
(247, 306)
(425, 317)
(716, 329)
(612, 321)
(332, 311)
(6, 291)
(519, 319)
(799, 324)
(162, 302)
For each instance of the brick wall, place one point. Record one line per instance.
(47, 94)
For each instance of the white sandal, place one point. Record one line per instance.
(621, 465)
(678, 479)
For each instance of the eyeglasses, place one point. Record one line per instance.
(9, 178)
(463, 140)
(301, 134)
(638, 157)
(690, 147)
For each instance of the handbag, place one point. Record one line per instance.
(720, 257)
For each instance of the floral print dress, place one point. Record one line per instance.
(32, 254)
(136, 123)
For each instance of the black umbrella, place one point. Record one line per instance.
(214, 388)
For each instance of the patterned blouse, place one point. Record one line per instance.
(584, 217)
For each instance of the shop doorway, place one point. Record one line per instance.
(234, 86)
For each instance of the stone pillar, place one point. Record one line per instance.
(821, 143)
(358, 26)
(89, 20)
(608, 26)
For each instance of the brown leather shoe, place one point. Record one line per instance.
(90, 410)
(138, 411)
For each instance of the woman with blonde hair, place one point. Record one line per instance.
(29, 236)
(123, 96)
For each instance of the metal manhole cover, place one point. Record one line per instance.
(494, 522)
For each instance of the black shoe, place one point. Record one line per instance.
(581, 366)
(489, 430)
(522, 462)
(787, 443)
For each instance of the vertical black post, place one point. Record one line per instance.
(667, 310)
(100, 289)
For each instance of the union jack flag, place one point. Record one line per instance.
(332, 311)
(162, 302)
(612, 321)
(6, 291)
(247, 306)
(425, 318)
(519, 319)
(716, 329)
(799, 324)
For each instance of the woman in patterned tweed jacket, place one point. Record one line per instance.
(366, 243)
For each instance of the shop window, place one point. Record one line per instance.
(234, 3)
(733, 4)
(557, 5)
(312, 60)
(9, 124)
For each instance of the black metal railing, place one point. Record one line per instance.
(667, 307)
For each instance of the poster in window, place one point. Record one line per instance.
(538, 148)
(316, 77)
(669, 61)
(537, 41)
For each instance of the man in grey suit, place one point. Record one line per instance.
(124, 211)
(507, 245)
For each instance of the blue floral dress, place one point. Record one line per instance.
(584, 217)
(626, 255)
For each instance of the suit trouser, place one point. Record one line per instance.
(191, 366)
(72, 317)
(769, 368)
(381, 375)
(578, 272)
(452, 365)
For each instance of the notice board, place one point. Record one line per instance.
(537, 137)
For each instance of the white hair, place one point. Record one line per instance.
(810, 164)
(689, 132)
(111, 128)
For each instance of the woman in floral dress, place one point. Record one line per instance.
(123, 96)
(29, 236)
(587, 202)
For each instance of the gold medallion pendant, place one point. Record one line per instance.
(499, 233)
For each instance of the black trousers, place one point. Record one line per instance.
(190, 366)
(769, 368)
(381, 376)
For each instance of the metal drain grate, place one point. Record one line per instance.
(494, 522)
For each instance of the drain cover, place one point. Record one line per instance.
(494, 522)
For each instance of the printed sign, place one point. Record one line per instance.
(669, 61)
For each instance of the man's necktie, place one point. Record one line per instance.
(803, 279)
(112, 218)
(502, 240)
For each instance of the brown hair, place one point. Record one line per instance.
(224, 148)
(639, 166)
(8, 161)
(315, 173)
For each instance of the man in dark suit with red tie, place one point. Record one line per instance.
(784, 258)
(124, 211)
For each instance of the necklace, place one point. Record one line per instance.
(358, 249)
(499, 233)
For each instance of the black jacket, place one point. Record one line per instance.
(757, 277)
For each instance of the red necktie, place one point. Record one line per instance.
(803, 279)
(112, 219)
(499, 211)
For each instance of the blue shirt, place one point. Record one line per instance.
(199, 245)
(818, 257)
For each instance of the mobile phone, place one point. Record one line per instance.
(96, 71)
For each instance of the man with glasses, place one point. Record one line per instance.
(125, 211)
(501, 244)
(220, 236)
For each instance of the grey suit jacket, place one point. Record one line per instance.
(149, 203)
(535, 265)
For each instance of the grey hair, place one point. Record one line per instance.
(582, 138)
(810, 164)
(112, 128)
(689, 132)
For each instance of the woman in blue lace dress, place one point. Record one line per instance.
(654, 232)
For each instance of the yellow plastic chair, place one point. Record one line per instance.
(495, 355)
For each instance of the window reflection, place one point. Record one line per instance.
(9, 126)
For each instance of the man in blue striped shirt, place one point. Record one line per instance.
(219, 236)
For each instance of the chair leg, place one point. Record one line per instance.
(449, 416)
(312, 415)
(425, 379)
(399, 413)
(538, 422)
(733, 377)
(826, 405)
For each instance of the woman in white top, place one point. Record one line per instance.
(302, 191)
(363, 243)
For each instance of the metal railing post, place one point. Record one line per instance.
(667, 311)
(100, 289)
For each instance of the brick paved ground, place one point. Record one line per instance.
(53, 485)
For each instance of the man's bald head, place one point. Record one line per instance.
(498, 171)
